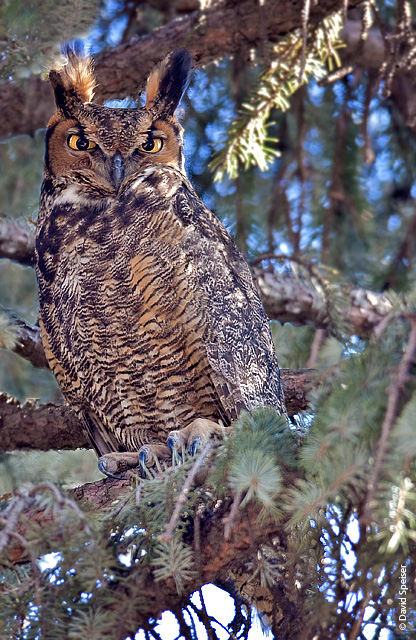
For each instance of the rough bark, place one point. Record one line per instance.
(288, 299)
(49, 426)
(35, 426)
(224, 29)
(285, 299)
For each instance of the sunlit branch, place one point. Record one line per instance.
(211, 35)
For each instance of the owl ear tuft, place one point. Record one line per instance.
(74, 83)
(167, 83)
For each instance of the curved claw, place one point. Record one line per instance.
(142, 462)
(174, 443)
(171, 443)
(102, 467)
(195, 445)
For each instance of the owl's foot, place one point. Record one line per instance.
(195, 435)
(117, 463)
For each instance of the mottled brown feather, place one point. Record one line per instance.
(148, 312)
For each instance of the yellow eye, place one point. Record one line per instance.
(79, 143)
(152, 145)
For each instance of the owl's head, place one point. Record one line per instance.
(87, 141)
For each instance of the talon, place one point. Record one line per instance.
(195, 445)
(171, 443)
(142, 462)
(174, 442)
(103, 468)
(194, 435)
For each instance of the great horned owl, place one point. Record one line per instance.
(149, 316)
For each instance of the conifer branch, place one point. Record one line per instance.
(297, 57)
(181, 499)
(215, 33)
(61, 501)
(286, 298)
(25, 508)
(217, 555)
(9, 521)
(396, 387)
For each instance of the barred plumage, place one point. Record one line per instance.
(149, 316)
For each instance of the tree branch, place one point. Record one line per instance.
(285, 299)
(288, 299)
(41, 427)
(17, 241)
(225, 28)
(46, 427)
(216, 556)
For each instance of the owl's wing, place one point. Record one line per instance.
(237, 338)
(101, 439)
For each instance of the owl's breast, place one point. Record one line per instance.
(120, 309)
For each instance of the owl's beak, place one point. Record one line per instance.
(117, 170)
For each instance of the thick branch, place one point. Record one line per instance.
(288, 299)
(42, 427)
(35, 426)
(224, 29)
(285, 299)
(50, 426)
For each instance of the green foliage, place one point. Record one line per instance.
(255, 474)
(174, 560)
(333, 552)
(261, 440)
(291, 63)
(403, 434)
(103, 564)
(92, 623)
(89, 570)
